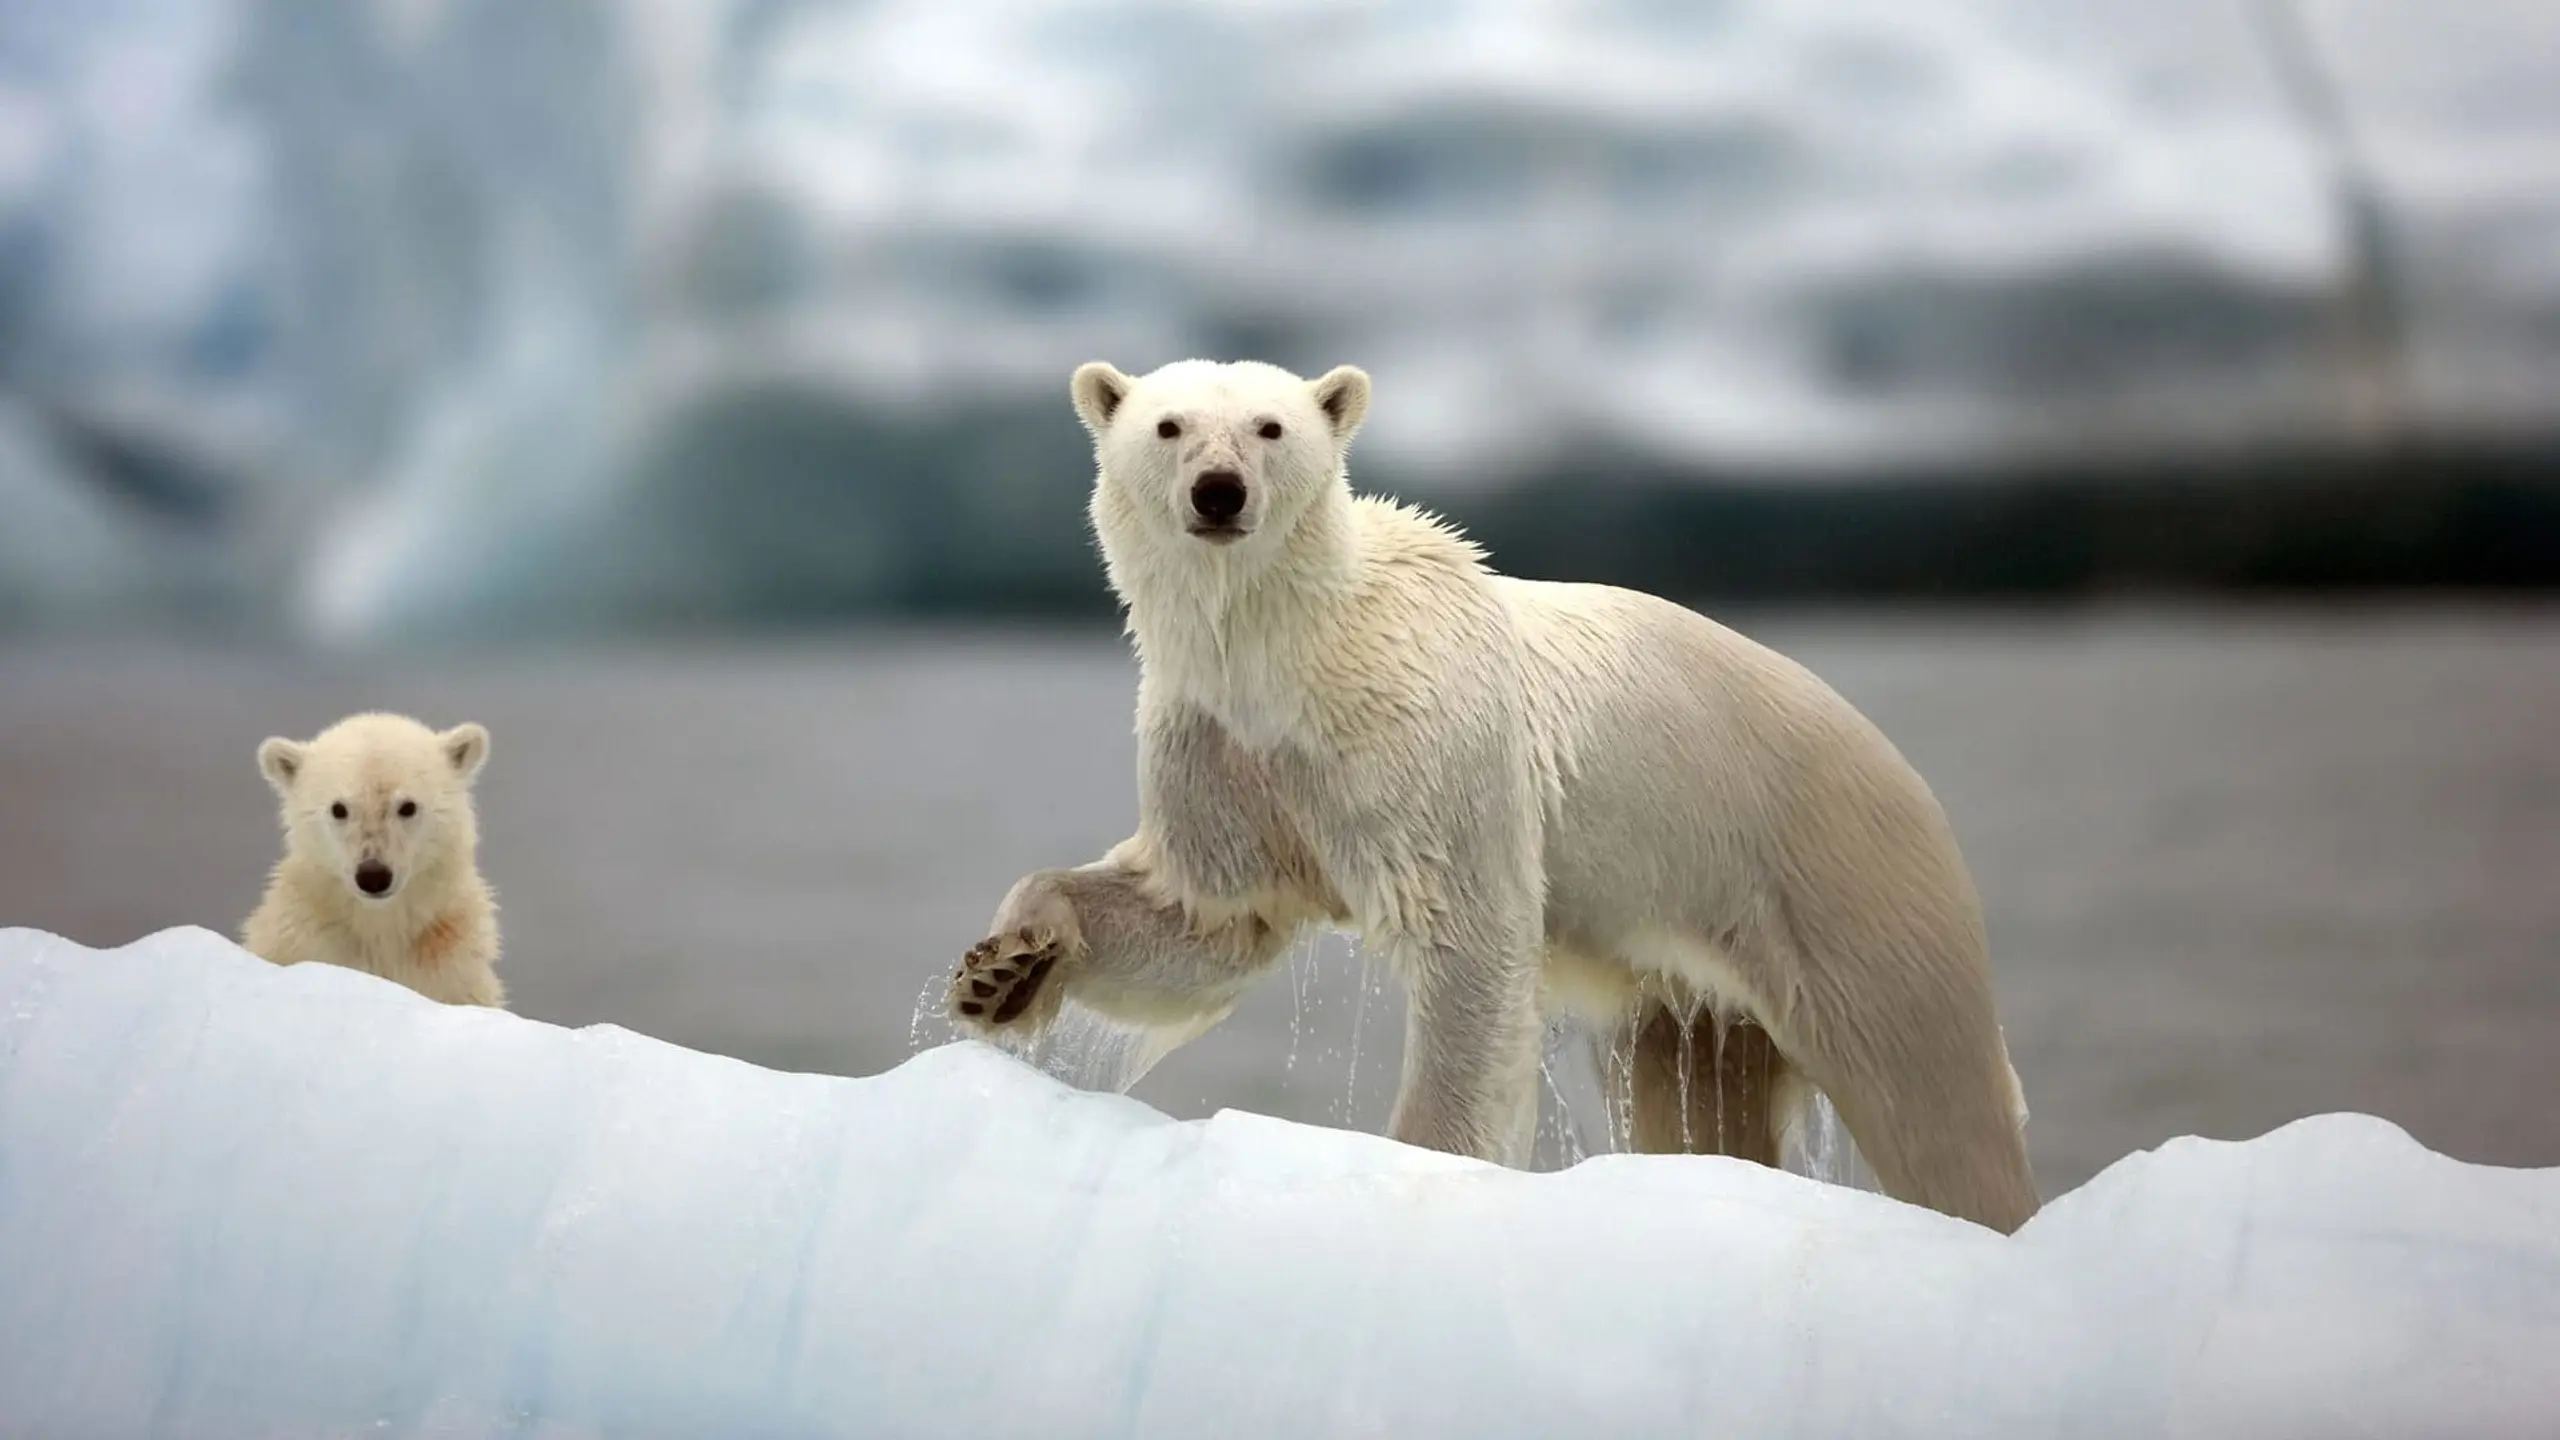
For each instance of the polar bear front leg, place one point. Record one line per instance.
(1471, 1044)
(1114, 934)
(1099, 933)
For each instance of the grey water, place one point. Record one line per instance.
(2240, 865)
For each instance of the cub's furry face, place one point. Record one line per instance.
(1200, 457)
(377, 799)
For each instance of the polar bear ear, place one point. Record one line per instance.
(280, 760)
(1098, 389)
(466, 748)
(1342, 393)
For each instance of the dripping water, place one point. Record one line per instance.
(929, 1003)
(1688, 1068)
(1586, 1075)
(1367, 981)
(1814, 1142)
(1080, 1047)
(1573, 1076)
(1090, 1052)
(1822, 1150)
(1303, 958)
(1620, 1073)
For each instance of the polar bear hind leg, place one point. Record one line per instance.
(1720, 1049)
(1909, 1053)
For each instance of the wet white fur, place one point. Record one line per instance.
(436, 930)
(1520, 794)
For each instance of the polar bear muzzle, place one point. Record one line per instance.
(1217, 505)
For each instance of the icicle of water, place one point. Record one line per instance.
(1080, 1047)
(1716, 1028)
(1359, 1018)
(926, 1004)
(1301, 956)
(1818, 1146)
(1687, 1068)
(1570, 1147)
(1618, 1072)
(1091, 1053)
(1823, 1150)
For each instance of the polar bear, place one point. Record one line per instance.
(381, 870)
(1523, 796)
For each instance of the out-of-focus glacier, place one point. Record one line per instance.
(241, 1200)
(452, 312)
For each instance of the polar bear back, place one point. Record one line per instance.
(1706, 785)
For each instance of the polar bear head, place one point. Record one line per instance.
(1200, 459)
(378, 799)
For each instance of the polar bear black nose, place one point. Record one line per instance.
(1218, 495)
(373, 877)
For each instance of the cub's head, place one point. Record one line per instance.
(378, 799)
(1206, 457)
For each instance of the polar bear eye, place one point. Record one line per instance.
(408, 809)
(1270, 429)
(1168, 429)
(338, 811)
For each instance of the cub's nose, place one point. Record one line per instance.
(1218, 495)
(373, 877)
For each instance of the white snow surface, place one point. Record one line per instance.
(241, 1200)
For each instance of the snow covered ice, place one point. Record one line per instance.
(242, 1200)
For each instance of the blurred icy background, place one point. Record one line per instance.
(328, 326)
(453, 315)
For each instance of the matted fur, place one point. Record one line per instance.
(1510, 789)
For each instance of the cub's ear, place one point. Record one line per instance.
(1342, 393)
(466, 748)
(280, 760)
(1098, 388)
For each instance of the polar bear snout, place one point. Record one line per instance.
(1217, 503)
(374, 878)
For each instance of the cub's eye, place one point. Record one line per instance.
(408, 809)
(338, 811)
(1270, 429)
(1168, 429)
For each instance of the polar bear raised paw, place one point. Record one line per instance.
(999, 982)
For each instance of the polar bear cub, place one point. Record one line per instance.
(1523, 796)
(381, 869)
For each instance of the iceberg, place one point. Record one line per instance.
(615, 310)
(242, 1200)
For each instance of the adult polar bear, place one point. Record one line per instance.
(1518, 793)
